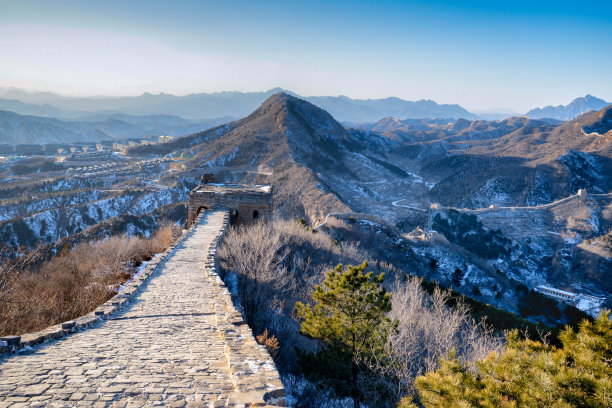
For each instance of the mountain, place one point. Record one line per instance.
(496, 114)
(15, 129)
(192, 106)
(519, 161)
(24, 108)
(589, 132)
(318, 167)
(370, 110)
(575, 108)
(220, 104)
(309, 157)
(393, 169)
(448, 130)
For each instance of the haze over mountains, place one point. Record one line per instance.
(215, 105)
(239, 104)
(15, 129)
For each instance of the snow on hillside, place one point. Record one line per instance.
(53, 224)
(22, 209)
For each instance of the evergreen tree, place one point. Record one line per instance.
(349, 319)
(457, 276)
(529, 374)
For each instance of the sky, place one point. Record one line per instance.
(483, 55)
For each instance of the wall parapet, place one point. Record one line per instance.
(253, 372)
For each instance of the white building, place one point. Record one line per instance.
(556, 293)
(165, 139)
(587, 303)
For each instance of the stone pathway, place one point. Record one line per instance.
(163, 349)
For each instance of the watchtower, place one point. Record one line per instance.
(247, 203)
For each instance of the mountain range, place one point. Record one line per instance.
(393, 169)
(574, 109)
(214, 105)
(239, 104)
(517, 161)
(15, 129)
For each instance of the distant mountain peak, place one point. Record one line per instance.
(570, 111)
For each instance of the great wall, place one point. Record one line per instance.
(172, 337)
(520, 220)
(523, 218)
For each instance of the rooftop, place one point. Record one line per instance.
(562, 292)
(220, 188)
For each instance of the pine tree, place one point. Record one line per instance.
(457, 276)
(529, 374)
(349, 319)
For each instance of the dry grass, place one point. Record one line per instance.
(270, 342)
(73, 283)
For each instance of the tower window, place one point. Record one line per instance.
(255, 214)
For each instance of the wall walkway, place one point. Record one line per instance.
(178, 342)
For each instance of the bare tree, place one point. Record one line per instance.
(254, 257)
(428, 329)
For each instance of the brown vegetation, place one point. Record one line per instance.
(270, 342)
(270, 266)
(71, 284)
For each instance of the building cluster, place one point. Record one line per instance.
(114, 168)
(95, 156)
(48, 149)
(165, 139)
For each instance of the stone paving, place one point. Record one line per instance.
(165, 348)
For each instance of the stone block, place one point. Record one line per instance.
(32, 339)
(11, 340)
(71, 325)
(248, 399)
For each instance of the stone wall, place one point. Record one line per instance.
(181, 342)
(253, 372)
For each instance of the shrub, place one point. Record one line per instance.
(429, 328)
(270, 342)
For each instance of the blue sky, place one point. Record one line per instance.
(482, 55)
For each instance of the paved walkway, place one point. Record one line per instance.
(161, 350)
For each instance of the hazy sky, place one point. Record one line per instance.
(480, 54)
